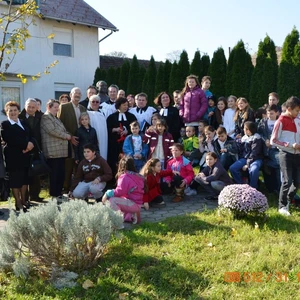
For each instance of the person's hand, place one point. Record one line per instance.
(296, 146)
(29, 147)
(104, 199)
(74, 140)
(96, 180)
(268, 143)
(146, 205)
(70, 195)
(151, 128)
(176, 172)
(245, 167)
(117, 130)
(77, 162)
(183, 183)
(124, 132)
(238, 136)
(211, 113)
(201, 174)
(223, 150)
(169, 184)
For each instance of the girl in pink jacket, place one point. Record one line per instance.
(128, 195)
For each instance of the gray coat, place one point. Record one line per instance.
(54, 137)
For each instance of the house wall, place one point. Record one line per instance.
(77, 70)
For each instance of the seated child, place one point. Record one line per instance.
(182, 136)
(159, 142)
(153, 173)
(252, 156)
(182, 167)
(135, 147)
(191, 143)
(128, 195)
(209, 115)
(213, 178)
(92, 174)
(206, 144)
(86, 135)
(226, 148)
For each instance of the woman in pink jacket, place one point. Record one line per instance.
(128, 195)
(193, 104)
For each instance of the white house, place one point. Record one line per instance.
(75, 45)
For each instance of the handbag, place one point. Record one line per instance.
(38, 165)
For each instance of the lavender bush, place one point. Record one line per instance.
(243, 199)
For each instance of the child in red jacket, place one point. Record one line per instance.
(153, 173)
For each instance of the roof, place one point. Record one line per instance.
(107, 62)
(74, 11)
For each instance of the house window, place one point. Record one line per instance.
(63, 42)
(62, 88)
(10, 92)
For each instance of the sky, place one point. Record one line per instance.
(162, 27)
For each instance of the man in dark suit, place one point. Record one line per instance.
(69, 114)
(32, 118)
(91, 90)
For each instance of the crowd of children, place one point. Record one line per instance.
(218, 142)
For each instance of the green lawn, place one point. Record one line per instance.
(187, 258)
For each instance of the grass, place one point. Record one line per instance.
(187, 257)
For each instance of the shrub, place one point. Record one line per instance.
(242, 199)
(71, 236)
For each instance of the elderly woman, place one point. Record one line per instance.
(118, 127)
(64, 98)
(98, 121)
(16, 136)
(55, 146)
(169, 113)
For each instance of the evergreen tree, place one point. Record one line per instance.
(286, 74)
(149, 81)
(159, 83)
(296, 60)
(133, 77)
(205, 66)
(117, 77)
(196, 65)
(217, 71)
(174, 83)
(229, 84)
(167, 72)
(111, 78)
(241, 71)
(97, 76)
(140, 79)
(264, 77)
(183, 67)
(123, 78)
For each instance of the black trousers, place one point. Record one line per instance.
(57, 175)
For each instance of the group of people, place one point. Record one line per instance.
(186, 141)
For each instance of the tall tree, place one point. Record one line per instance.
(159, 82)
(111, 76)
(264, 77)
(174, 83)
(196, 65)
(286, 73)
(296, 61)
(140, 79)
(133, 83)
(183, 67)
(205, 65)
(240, 71)
(117, 77)
(217, 71)
(149, 81)
(167, 72)
(97, 76)
(123, 78)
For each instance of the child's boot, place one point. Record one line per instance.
(179, 195)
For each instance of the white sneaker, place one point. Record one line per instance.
(192, 192)
(284, 211)
(187, 190)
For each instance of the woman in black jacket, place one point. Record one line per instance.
(18, 144)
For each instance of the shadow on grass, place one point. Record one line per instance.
(279, 222)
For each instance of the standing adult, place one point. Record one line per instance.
(91, 90)
(32, 119)
(118, 128)
(98, 121)
(55, 146)
(142, 111)
(18, 143)
(102, 88)
(193, 104)
(69, 114)
(169, 113)
(109, 105)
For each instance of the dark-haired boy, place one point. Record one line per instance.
(286, 137)
(92, 174)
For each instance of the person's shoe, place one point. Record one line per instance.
(211, 198)
(177, 199)
(192, 192)
(187, 190)
(98, 200)
(158, 205)
(136, 218)
(1, 213)
(37, 199)
(284, 211)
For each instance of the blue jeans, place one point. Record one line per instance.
(236, 168)
(213, 188)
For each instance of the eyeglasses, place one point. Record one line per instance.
(95, 102)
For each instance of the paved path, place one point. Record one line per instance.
(189, 205)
